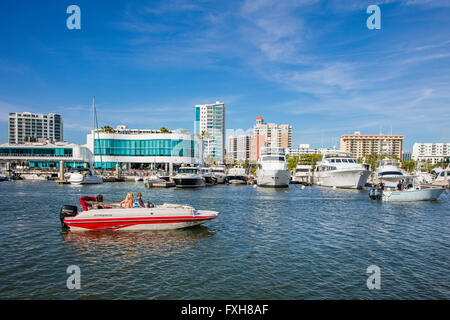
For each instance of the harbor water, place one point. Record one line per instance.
(294, 243)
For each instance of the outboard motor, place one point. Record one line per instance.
(67, 211)
(375, 194)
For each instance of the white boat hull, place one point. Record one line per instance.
(424, 194)
(76, 178)
(273, 178)
(158, 218)
(348, 179)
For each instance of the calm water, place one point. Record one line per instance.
(266, 244)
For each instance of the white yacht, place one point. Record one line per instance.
(237, 176)
(388, 172)
(219, 173)
(272, 169)
(84, 176)
(303, 174)
(188, 177)
(208, 176)
(441, 176)
(340, 170)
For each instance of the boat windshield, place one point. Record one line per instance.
(395, 173)
(273, 158)
(188, 170)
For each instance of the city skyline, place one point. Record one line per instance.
(312, 64)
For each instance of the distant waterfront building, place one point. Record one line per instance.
(137, 148)
(306, 149)
(238, 147)
(209, 124)
(431, 152)
(45, 155)
(406, 155)
(34, 127)
(361, 145)
(271, 135)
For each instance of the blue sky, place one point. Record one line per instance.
(309, 63)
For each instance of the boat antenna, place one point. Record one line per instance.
(98, 134)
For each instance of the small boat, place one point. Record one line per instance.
(3, 178)
(408, 190)
(84, 176)
(188, 177)
(113, 217)
(139, 179)
(237, 176)
(36, 177)
(208, 176)
(219, 173)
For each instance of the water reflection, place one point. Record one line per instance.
(132, 243)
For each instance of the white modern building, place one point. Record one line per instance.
(34, 127)
(136, 149)
(306, 149)
(209, 124)
(238, 147)
(431, 152)
(45, 155)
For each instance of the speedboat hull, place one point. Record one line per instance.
(347, 179)
(424, 194)
(165, 217)
(76, 178)
(273, 178)
(189, 182)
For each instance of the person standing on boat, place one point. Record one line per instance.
(139, 203)
(399, 185)
(128, 202)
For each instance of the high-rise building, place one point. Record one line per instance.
(238, 147)
(32, 127)
(431, 152)
(270, 135)
(361, 145)
(209, 125)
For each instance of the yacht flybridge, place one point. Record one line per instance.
(113, 217)
(272, 169)
(339, 169)
(388, 172)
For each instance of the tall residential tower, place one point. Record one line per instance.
(209, 125)
(32, 127)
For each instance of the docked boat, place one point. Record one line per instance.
(208, 176)
(36, 176)
(388, 172)
(113, 217)
(408, 190)
(138, 179)
(84, 176)
(220, 173)
(272, 169)
(236, 176)
(158, 181)
(3, 178)
(340, 170)
(188, 177)
(303, 174)
(441, 176)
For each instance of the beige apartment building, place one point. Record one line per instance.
(360, 145)
(269, 135)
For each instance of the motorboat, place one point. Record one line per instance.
(441, 176)
(36, 177)
(272, 169)
(84, 176)
(188, 177)
(340, 170)
(160, 181)
(208, 176)
(303, 174)
(220, 173)
(407, 190)
(388, 172)
(113, 217)
(139, 179)
(236, 176)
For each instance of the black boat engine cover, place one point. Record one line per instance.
(67, 211)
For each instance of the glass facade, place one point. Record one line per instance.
(151, 147)
(35, 152)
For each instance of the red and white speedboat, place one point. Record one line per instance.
(113, 217)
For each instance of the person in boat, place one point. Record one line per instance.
(128, 201)
(139, 203)
(381, 186)
(99, 202)
(399, 185)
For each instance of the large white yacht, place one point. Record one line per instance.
(340, 170)
(388, 172)
(188, 177)
(272, 169)
(84, 176)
